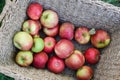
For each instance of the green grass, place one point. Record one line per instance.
(114, 2)
(2, 4)
(4, 77)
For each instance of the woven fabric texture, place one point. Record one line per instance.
(90, 13)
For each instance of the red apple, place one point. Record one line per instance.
(64, 48)
(31, 27)
(40, 59)
(49, 44)
(66, 31)
(92, 55)
(56, 64)
(82, 35)
(75, 60)
(24, 58)
(34, 11)
(84, 73)
(100, 39)
(23, 41)
(52, 32)
(49, 19)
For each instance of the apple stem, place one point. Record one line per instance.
(92, 31)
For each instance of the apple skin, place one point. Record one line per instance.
(64, 48)
(49, 19)
(66, 31)
(92, 55)
(100, 39)
(56, 64)
(24, 58)
(38, 44)
(31, 27)
(40, 59)
(75, 60)
(51, 32)
(34, 11)
(82, 35)
(22, 40)
(84, 73)
(49, 44)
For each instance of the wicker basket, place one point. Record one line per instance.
(91, 13)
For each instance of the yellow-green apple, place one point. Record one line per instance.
(75, 60)
(100, 39)
(38, 44)
(64, 48)
(40, 59)
(24, 58)
(66, 31)
(23, 41)
(52, 32)
(82, 35)
(49, 44)
(56, 64)
(49, 19)
(92, 55)
(84, 73)
(34, 11)
(31, 27)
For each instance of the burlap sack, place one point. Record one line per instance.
(90, 13)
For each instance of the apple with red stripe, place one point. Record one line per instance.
(84, 73)
(66, 31)
(92, 55)
(56, 64)
(82, 35)
(64, 48)
(100, 39)
(23, 41)
(49, 19)
(75, 60)
(51, 32)
(40, 59)
(31, 27)
(49, 44)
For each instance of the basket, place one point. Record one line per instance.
(90, 13)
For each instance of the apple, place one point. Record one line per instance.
(38, 45)
(49, 19)
(92, 55)
(100, 39)
(34, 11)
(55, 64)
(64, 48)
(82, 35)
(31, 27)
(22, 40)
(75, 60)
(66, 31)
(84, 73)
(40, 59)
(24, 58)
(49, 44)
(52, 32)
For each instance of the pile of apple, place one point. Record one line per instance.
(57, 54)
